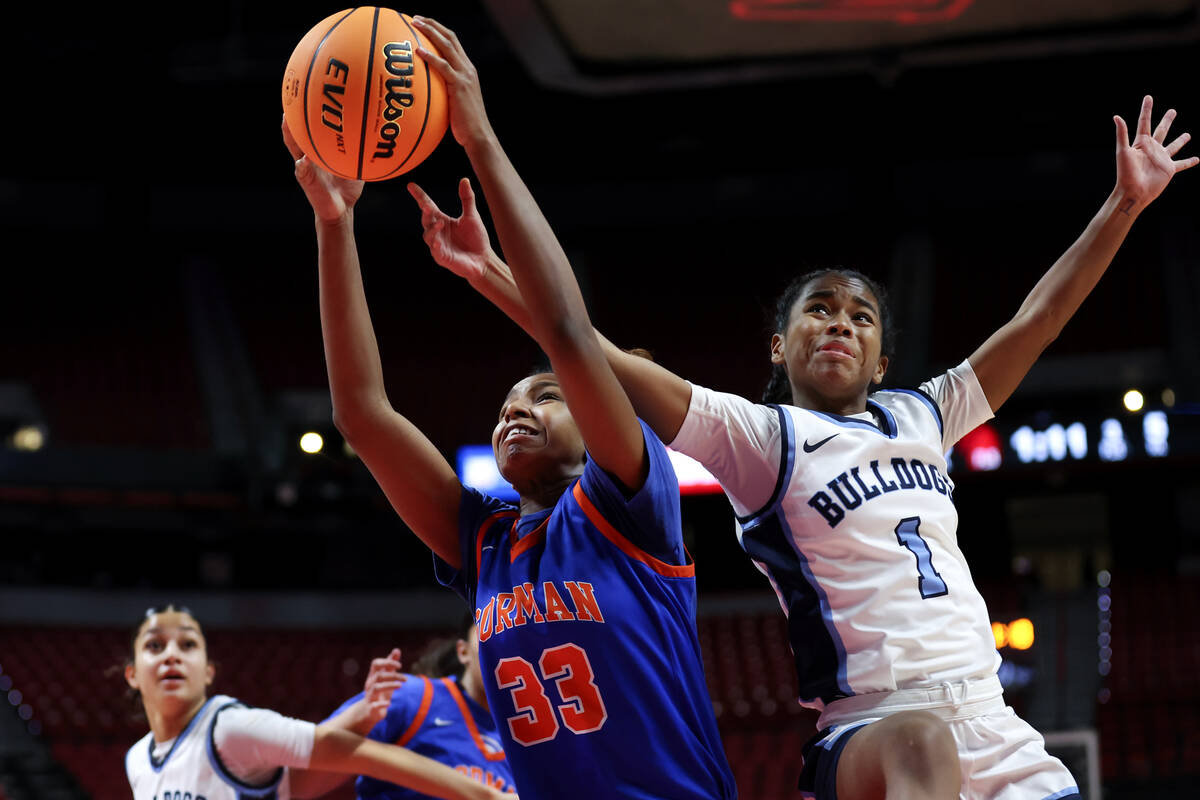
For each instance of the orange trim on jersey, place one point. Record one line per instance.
(627, 547)
(419, 717)
(523, 543)
(469, 718)
(484, 527)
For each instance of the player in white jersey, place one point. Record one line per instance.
(843, 502)
(215, 748)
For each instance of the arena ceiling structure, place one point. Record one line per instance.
(627, 46)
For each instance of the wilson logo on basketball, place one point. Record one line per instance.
(398, 62)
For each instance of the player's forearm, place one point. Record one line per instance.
(351, 351)
(540, 268)
(342, 751)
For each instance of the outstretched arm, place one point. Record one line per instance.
(557, 317)
(359, 718)
(1144, 168)
(337, 750)
(416, 478)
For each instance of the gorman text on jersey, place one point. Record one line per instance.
(521, 606)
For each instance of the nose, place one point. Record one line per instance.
(839, 324)
(516, 410)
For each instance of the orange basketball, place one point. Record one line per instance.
(359, 100)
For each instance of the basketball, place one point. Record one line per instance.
(359, 100)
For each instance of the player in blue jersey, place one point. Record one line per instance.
(843, 501)
(217, 748)
(440, 712)
(583, 591)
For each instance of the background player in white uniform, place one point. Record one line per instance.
(844, 503)
(214, 748)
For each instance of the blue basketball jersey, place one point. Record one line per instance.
(435, 718)
(587, 643)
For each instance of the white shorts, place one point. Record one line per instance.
(1001, 756)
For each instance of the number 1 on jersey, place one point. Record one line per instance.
(929, 582)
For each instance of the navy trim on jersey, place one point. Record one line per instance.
(927, 400)
(888, 428)
(1071, 793)
(244, 790)
(787, 458)
(157, 766)
(820, 652)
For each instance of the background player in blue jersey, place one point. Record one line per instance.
(217, 748)
(439, 711)
(843, 502)
(583, 593)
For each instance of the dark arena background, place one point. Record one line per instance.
(161, 350)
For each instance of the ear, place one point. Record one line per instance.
(210, 673)
(777, 343)
(880, 369)
(463, 652)
(131, 676)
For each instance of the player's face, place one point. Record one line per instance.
(832, 346)
(536, 440)
(170, 665)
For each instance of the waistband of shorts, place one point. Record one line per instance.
(949, 700)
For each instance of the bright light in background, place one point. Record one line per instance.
(1154, 433)
(28, 438)
(477, 469)
(311, 442)
(1112, 445)
(1133, 400)
(693, 477)
(981, 448)
(1017, 634)
(1168, 398)
(1020, 634)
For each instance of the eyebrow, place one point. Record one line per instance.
(533, 387)
(189, 628)
(862, 301)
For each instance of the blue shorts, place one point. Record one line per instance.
(818, 776)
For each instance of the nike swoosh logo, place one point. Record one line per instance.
(441, 723)
(493, 547)
(808, 448)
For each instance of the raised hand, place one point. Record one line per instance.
(1146, 165)
(468, 118)
(382, 680)
(331, 197)
(460, 244)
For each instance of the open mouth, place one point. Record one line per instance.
(519, 430)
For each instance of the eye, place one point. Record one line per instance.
(545, 396)
(818, 308)
(864, 317)
(153, 645)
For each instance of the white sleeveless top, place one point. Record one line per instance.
(248, 762)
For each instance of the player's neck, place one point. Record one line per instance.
(474, 689)
(842, 406)
(167, 723)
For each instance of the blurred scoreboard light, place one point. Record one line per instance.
(477, 469)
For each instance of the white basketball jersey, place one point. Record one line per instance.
(858, 532)
(192, 769)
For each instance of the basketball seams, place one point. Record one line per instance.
(308, 79)
(330, 100)
(367, 89)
